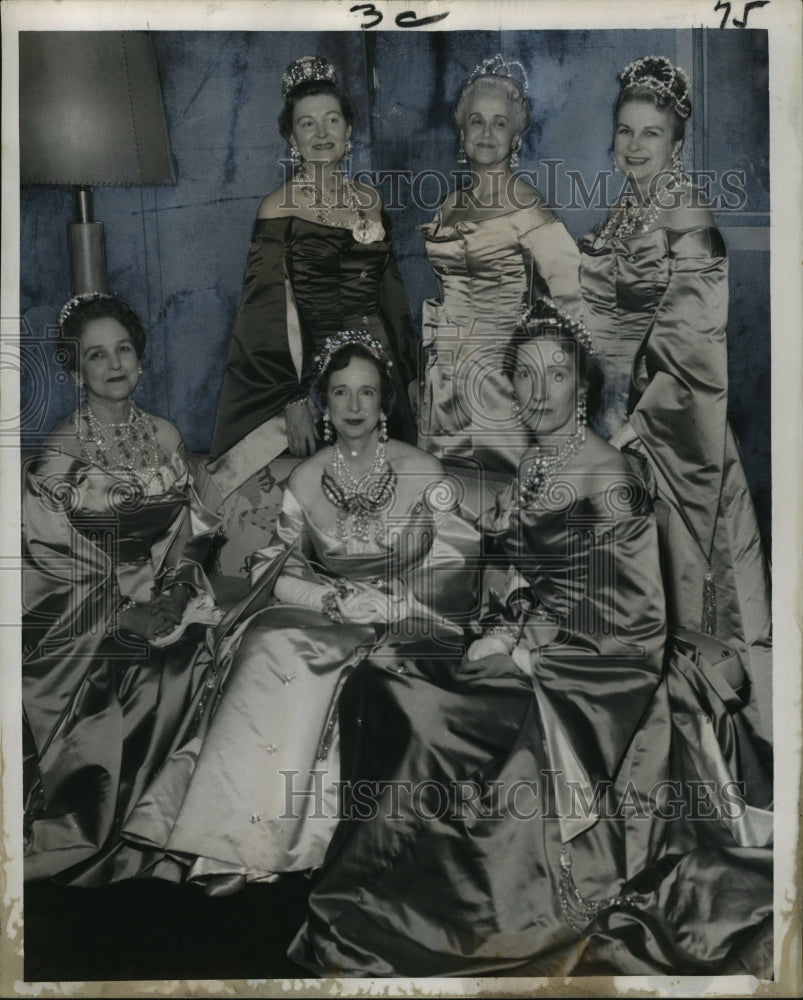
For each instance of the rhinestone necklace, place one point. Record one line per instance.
(364, 500)
(363, 229)
(544, 467)
(636, 215)
(139, 456)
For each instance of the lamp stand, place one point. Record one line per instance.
(87, 251)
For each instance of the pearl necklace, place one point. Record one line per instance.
(636, 215)
(363, 230)
(139, 455)
(364, 499)
(544, 467)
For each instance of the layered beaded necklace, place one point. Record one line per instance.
(363, 230)
(544, 467)
(364, 500)
(139, 456)
(636, 216)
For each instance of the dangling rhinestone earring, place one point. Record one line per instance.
(347, 157)
(328, 434)
(581, 414)
(677, 165)
(513, 159)
(461, 153)
(140, 381)
(615, 164)
(383, 428)
(295, 156)
(515, 406)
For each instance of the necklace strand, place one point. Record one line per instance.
(363, 229)
(637, 215)
(139, 456)
(363, 500)
(544, 467)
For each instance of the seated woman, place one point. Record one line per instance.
(369, 556)
(114, 539)
(522, 802)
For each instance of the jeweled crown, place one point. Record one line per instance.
(544, 318)
(72, 304)
(343, 338)
(499, 66)
(657, 73)
(307, 68)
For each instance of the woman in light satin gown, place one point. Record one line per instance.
(654, 278)
(494, 246)
(535, 809)
(114, 540)
(370, 560)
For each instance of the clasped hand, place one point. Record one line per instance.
(363, 609)
(300, 431)
(155, 618)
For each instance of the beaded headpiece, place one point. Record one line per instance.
(335, 343)
(499, 66)
(545, 319)
(307, 68)
(72, 304)
(657, 73)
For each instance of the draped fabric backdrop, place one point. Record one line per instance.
(178, 253)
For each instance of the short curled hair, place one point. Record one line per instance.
(494, 86)
(85, 308)
(341, 359)
(313, 88)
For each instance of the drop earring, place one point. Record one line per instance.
(616, 169)
(295, 156)
(462, 159)
(328, 434)
(581, 414)
(677, 164)
(513, 159)
(515, 406)
(347, 157)
(383, 428)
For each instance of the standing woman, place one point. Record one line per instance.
(114, 538)
(494, 246)
(655, 284)
(326, 236)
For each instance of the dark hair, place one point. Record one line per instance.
(342, 359)
(313, 88)
(82, 310)
(646, 95)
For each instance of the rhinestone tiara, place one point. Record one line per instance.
(72, 304)
(499, 66)
(307, 68)
(657, 73)
(344, 338)
(545, 318)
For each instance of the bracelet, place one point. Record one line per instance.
(126, 604)
(301, 401)
(511, 631)
(330, 608)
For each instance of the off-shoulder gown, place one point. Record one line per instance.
(488, 272)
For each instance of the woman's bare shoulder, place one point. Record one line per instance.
(167, 434)
(64, 436)
(278, 204)
(407, 458)
(688, 212)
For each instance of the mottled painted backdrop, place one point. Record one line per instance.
(177, 253)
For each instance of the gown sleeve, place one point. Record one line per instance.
(679, 398)
(553, 261)
(260, 377)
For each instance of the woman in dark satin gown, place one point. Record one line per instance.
(654, 278)
(532, 809)
(327, 237)
(493, 245)
(114, 538)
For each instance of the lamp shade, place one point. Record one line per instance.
(91, 110)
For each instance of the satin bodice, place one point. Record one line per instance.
(489, 270)
(333, 276)
(625, 282)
